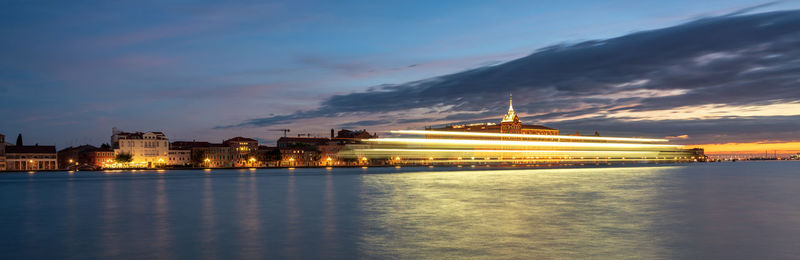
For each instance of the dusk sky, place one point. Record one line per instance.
(698, 72)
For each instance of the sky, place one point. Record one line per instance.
(698, 72)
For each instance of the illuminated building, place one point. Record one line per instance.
(510, 124)
(512, 143)
(148, 149)
(102, 157)
(318, 151)
(243, 149)
(205, 154)
(31, 157)
(179, 157)
(300, 151)
(74, 156)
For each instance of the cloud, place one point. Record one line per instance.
(678, 137)
(737, 67)
(364, 123)
(722, 130)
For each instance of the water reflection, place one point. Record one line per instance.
(163, 228)
(249, 218)
(292, 230)
(329, 215)
(110, 216)
(547, 213)
(208, 220)
(699, 211)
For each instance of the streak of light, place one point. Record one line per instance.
(596, 138)
(498, 143)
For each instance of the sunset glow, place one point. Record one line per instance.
(754, 148)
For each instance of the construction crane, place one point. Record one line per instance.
(283, 130)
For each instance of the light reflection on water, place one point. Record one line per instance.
(558, 213)
(742, 210)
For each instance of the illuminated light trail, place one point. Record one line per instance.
(495, 151)
(496, 143)
(462, 156)
(522, 154)
(596, 138)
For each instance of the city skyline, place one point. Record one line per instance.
(208, 73)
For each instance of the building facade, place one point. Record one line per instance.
(205, 154)
(244, 151)
(179, 157)
(299, 156)
(74, 156)
(2, 152)
(268, 156)
(31, 158)
(150, 149)
(214, 156)
(300, 151)
(510, 124)
(99, 157)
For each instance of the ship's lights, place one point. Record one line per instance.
(567, 137)
(459, 142)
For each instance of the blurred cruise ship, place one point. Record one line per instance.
(513, 143)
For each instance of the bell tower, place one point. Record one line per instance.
(510, 123)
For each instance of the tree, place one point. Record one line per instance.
(123, 158)
(105, 146)
(19, 140)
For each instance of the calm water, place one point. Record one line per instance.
(719, 210)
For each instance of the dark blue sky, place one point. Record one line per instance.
(71, 70)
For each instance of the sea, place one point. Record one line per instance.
(730, 210)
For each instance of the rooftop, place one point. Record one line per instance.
(47, 149)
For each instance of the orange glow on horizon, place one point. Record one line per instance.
(750, 148)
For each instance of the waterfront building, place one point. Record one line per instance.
(102, 157)
(2, 152)
(74, 156)
(148, 149)
(319, 151)
(510, 124)
(268, 156)
(205, 154)
(244, 151)
(698, 154)
(31, 157)
(300, 151)
(299, 156)
(215, 155)
(179, 157)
